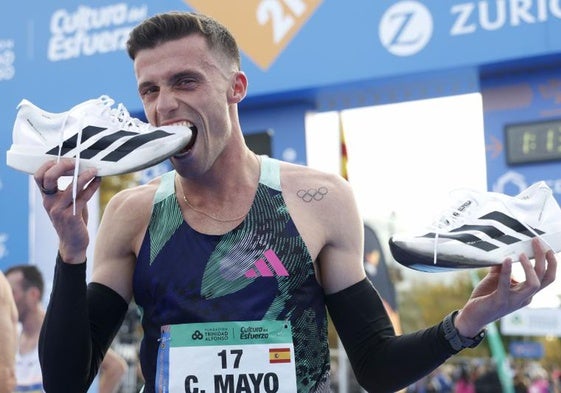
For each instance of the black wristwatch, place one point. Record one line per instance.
(456, 340)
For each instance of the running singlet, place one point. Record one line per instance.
(28, 372)
(260, 271)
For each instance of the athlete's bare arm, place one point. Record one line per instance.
(111, 372)
(324, 210)
(8, 337)
(120, 234)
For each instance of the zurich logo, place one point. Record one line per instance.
(510, 182)
(405, 28)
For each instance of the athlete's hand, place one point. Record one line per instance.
(69, 216)
(498, 294)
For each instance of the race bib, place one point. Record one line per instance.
(227, 357)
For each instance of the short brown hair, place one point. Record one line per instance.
(32, 276)
(174, 25)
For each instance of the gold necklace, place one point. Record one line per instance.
(224, 220)
(208, 214)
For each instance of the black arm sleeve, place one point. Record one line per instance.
(382, 361)
(79, 326)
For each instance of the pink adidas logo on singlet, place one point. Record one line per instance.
(274, 266)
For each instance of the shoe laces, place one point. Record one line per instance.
(456, 213)
(119, 115)
(464, 200)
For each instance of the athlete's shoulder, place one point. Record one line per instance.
(298, 176)
(136, 199)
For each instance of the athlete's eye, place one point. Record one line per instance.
(148, 90)
(186, 83)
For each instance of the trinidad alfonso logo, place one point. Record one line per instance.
(405, 28)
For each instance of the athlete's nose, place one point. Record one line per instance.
(165, 105)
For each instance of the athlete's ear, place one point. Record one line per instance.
(239, 87)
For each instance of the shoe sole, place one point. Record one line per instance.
(425, 263)
(30, 163)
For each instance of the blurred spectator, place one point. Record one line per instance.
(539, 382)
(27, 286)
(111, 373)
(439, 381)
(8, 337)
(418, 387)
(520, 382)
(487, 379)
(464, 383)
(556, 381)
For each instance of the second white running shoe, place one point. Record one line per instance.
(96, 134)
(483, 229)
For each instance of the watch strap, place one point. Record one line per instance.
(453, 336)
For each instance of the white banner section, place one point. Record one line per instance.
(532, 322)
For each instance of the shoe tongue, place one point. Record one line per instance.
(467, 198)
(464, 201)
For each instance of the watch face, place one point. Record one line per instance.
(473, 342)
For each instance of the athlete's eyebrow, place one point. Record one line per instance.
(182, 75)
(144, 85)
(172, 79)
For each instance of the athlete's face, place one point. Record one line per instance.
(23, 298)
(184, 81)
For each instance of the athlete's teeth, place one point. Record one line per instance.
(183, 123)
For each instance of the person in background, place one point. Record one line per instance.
(521, 382)
(228, 238)
(8, 337)
(27, 287)
(539, 381)
(464, 383)
(486, 378)
(111, 372)
(556, 380)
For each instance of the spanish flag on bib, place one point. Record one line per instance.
(279, 355)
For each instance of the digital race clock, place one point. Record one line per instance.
(533, 142)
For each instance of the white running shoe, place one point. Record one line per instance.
(95, 133)
(483, 229)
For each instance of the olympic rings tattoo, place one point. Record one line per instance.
(312, 194)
